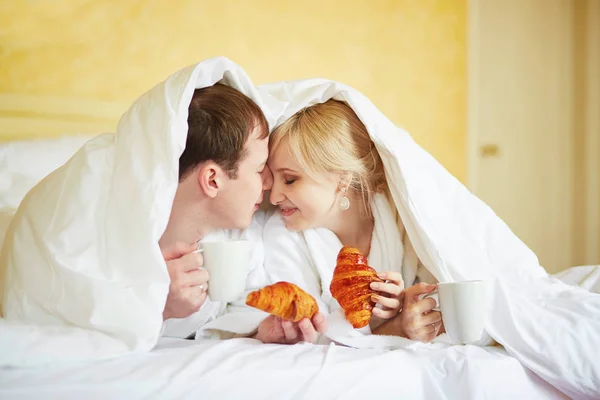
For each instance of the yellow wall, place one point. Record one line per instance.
(408, 56)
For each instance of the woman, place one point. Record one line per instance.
(331, 191)
(549, 327)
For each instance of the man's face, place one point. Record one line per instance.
(231, 203)
(240, 198)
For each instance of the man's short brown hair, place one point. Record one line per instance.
(220, 120)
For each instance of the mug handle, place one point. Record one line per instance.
(433, 295)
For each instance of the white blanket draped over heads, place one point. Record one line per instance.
(89, 234)
(552, 328)
(81, 259)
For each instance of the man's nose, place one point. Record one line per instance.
(267, 179)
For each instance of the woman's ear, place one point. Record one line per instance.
(345, 181)
(210, 179)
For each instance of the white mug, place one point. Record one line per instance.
(464, 308)
(227, 266)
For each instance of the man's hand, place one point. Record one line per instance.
(189, 281)
(276, 330)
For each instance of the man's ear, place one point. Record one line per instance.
(210, 179)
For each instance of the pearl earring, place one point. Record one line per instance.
(344, 201)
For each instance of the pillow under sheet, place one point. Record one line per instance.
(24, 163)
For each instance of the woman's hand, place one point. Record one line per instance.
(391, 294)
(275, 330)
(418, 321)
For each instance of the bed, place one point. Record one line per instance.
(245, 368)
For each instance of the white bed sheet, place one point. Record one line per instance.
(245, 369)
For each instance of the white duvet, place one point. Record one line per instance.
(92, 261)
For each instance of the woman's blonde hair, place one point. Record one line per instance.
(329, 137)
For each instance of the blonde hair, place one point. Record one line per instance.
(329, 137)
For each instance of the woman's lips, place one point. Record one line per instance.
(286, 212)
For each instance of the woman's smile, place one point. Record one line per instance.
(288, 212)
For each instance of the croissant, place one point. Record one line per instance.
(350, 286)
(284, 300)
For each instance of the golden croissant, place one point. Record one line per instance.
(284, 300)
(350, 286)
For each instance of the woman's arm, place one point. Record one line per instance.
(391, 327)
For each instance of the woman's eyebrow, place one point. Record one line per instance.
(285, 169)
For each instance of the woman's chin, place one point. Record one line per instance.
(292, 227)
(295, 225)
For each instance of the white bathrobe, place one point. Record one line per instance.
(308, 259)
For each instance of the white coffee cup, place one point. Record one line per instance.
(464, 308)
(227, 264)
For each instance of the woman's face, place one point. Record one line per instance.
(305, 202)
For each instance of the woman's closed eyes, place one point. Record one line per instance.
(289, 180)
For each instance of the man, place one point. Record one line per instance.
(84, 257)
(222, 178)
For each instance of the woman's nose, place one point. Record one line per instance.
(276, 196)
